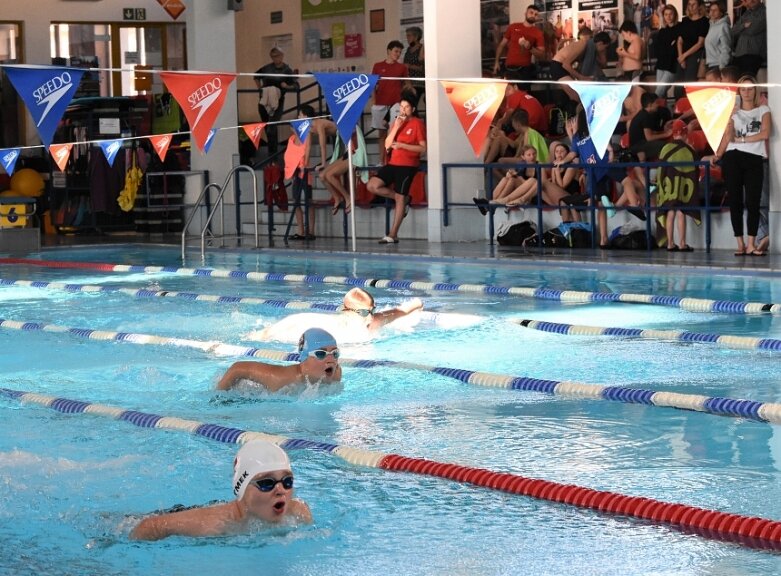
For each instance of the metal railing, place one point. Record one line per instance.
(648, 209)
(220, 204)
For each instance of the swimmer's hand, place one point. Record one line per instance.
(411, 305)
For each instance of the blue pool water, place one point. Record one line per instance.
(73, 485)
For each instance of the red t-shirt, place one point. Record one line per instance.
(516, 56)
(413, 131)
(388, 92)
(537, 118)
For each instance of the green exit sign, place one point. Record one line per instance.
(133, 13)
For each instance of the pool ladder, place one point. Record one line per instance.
(219, 203)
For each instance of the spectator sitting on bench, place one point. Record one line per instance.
(647, 135)
(525, 136)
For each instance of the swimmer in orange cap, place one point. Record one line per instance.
(263, 486)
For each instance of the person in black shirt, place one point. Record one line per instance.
(647, 135)
(666, 48)
(272, 93)
(691, 40)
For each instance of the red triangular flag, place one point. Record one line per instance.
(475, 105)
(254, 132)
(161, 143)
(61, 153)
(713, 106)
(201, 97)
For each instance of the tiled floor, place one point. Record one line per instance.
(719, 260)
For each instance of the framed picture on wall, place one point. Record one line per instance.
(377, 20)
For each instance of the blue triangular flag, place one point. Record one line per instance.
(346, 96)
(602, 103)
(8, 157)
(302, 126)
(46, 91)
(110, 149)
(209, 140)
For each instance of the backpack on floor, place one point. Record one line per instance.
(515, 234)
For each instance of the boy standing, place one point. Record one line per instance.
(388, 92)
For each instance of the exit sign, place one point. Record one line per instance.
(133, 13)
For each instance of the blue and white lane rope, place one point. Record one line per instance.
(572, 296)
(725, 340)
(437, 318)
(750, 409)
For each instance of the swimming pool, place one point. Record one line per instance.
(73, 484)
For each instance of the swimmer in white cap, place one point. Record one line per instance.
(318, 363)
(263, 487)
(357, 321)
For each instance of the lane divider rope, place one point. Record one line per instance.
(570, 296)
(750, 409)
(725, 340)
(749, 531)
(435, 317)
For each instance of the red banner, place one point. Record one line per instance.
(254, 131)
(475, 105)
(61, 153)
(160, 144)
(713, 106)
(201, 97)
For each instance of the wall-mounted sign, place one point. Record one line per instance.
(173, 7)
(133, 13)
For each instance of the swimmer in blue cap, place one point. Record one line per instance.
(318, 357)
(263, 487)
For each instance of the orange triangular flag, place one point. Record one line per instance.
(475, 105)
(160, 144)
(61, 153)
(254, 132)
(713, 106)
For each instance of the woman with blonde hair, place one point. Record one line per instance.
(742, 152)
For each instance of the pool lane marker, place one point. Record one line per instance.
(438, 318)
(572, 296)
(725, 340)
(752, 531)
(750, 409)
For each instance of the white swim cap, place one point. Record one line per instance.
(256, 457)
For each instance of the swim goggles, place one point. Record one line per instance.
(362, 312)
(323, 354)
(267, 484)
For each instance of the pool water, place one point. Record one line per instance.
(73, 485)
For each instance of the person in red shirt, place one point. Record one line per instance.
(522, 40)
(405, 143)
(514, 98)
(388, 92)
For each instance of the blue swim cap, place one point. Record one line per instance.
(314, 339)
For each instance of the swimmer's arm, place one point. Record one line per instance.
(196, 522)
(380, 319)
(300, 509)
(269, 376)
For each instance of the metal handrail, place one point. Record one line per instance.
(193, 213)
(219, 203)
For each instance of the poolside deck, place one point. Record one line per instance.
(716, 260)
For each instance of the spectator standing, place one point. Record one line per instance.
(718, 42)
(691, 39)
(630, 55)
(666, 48)
(296, 168)
(750, 34)
(522, 40)
(277, 79)
(414, 58)
(742, 151)
(387, 91)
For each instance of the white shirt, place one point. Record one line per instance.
(748, 123)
